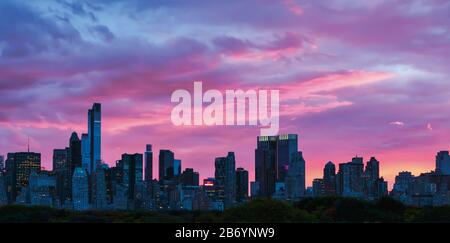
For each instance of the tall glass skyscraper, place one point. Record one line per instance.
(19, 166)
(148, 160)
(85, 152)
(94, 133)
(225, 175)
(166, 165)
(80, 189)
(272, 157)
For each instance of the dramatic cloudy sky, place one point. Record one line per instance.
(368, 78)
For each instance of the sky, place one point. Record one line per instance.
(366, 78)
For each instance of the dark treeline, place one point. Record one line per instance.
(313, 210)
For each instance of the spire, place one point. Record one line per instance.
(28, 144)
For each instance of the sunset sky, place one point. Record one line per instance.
(367, 78)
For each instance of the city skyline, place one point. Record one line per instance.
(285, 144)
(366, 79)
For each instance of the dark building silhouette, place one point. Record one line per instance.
(62, 170)
(443, 163)
(74, 152)
(19, 167)
(131, 172)
(329, 179)
(94, 133)
(241, 185)
(350, 178)
(166, 165)
(190, 177)
(372, 178)
(148, 161)
(225, 176)
(295, 180)
(272, 157)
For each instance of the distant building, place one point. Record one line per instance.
(190, 178)
(3, 195)
(2, 163)
(272, 157)
(85, 152)
(19, 167)
(148, 162)
(74, 152)
(295, 180)
(62, 171)
(99, 191)
(166, 165)
(177, 168)
(241, 185)
(350, 178)
(80, 189)
(318, 188)
(372, 179)
(42, 188)
(443, 163)
(95, 136)
(132, 173)
(225, 175)
(329, 179)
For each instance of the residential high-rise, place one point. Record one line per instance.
(74, 152)
(350, 178)
(94, 133)
(443, 163)
(42, 188)
(85, 152)
(190, 178)
(225, 176)
(371, 178)
(318, 188)
(329, 179)
(62, 171)
(99, 193)
(166, 165)
(3, 195)
(177, 167)
(272, 157)
(241, 185)
(80, 189)
(132, 172)
(19, 167)
(148, 160)
(2, 163)
(295, 179)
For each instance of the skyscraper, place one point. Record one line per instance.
(225, 176)
(19, 167)
(190, 177)
(329, 179)
(85, 152)
(2, 163)
(295, 180)
(166, 165)
(241, 185)
(443, 163)
(80, 189)
(3, 195)
(177, 167)
(99, 196)
(74, 152)
(272, 157)
(148, 158)
(371, 178)
(350, 178)
(94, 133)
(132, 170)
(62, 170)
